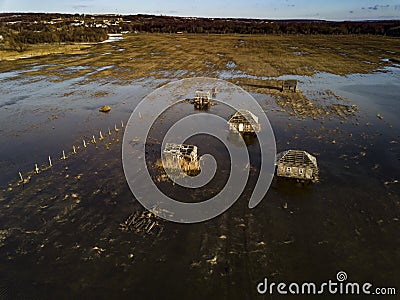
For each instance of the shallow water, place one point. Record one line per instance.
(53, 227)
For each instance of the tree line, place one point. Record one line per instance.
(20, 40)
(164, 24)
(20, 30)
(61, 35)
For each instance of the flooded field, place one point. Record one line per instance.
(60, 233)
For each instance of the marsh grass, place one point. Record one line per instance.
(251, 61)
(159, 55)
(37, 50)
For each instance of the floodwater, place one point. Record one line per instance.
(60, 236)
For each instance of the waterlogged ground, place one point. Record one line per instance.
(59, 232)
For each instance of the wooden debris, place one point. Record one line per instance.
(144, 223)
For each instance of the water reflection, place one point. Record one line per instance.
(65, 222)
(236, 137)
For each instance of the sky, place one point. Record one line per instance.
(263, 9)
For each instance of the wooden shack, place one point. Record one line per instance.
(202, 99)
(297, 164)
(181, 156)
(290, 85)
(243, 121)
(214, 92)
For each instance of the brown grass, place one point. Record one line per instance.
(163, 55)
(254, 60)
(37, 50)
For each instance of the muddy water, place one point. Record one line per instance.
(60, 234)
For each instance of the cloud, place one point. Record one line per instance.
(81, 6)
(161, 12)
(377, 6)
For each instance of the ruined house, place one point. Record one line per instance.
(181, 156)
(244, 121)
(202, 99)
(290, 85)
(297, 164)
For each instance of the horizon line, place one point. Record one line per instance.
(204, 17)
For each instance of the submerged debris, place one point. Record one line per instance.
(213, 261)
(143, 223)
(98, 250)
(391, 182)
(105, 108)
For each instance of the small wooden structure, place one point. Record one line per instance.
(297, 164)
(202, 99)
(289, 85)
(181, 156)
(244, 121)
(214, 92)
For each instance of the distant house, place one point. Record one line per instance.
(78, 23)
(297, 164)
(99, 25)
(244, 121)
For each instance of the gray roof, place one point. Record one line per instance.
(177, 149)
(296, 157)
(202, 94)
(242, 115)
